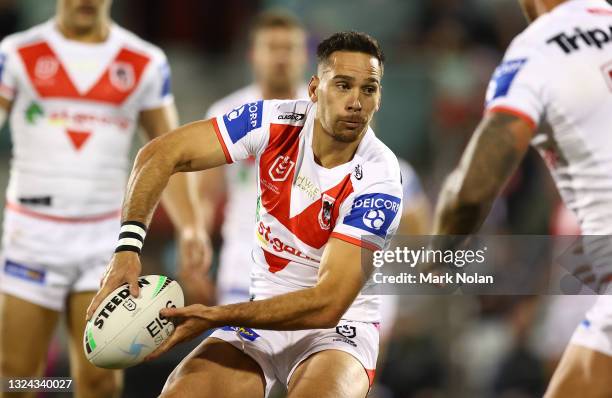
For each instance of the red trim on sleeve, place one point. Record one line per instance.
(355, 241)
(221, 141)
(514, 112)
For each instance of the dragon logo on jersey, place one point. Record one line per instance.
(280, 169)
(122, 75)
(325, 214)
(373, 212)
(46, 67)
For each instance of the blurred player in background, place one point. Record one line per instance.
(535, 82)
(278, 58)
(310, 326)
(74, 89)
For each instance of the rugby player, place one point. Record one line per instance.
(559, 71)
(309, 326)
(74, 88)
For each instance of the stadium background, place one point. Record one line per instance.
(440, 56)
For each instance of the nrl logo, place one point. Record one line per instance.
(325, 214)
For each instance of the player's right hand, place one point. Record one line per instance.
(123, 267)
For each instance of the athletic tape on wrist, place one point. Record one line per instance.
(131, 237)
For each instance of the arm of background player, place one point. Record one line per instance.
(5, 107)
(211, 190)
(341, 277)
(192, 147)
(416, 217)
(499, 144)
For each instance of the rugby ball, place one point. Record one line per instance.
(124, 329)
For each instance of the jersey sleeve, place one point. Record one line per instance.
(8, 79)
(518, 83)
(244, 131)
(370, 218)
(158, 88)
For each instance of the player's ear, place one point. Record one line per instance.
(312, 88)
(379, 99)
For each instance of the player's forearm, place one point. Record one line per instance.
(304, 309)
(456, 215)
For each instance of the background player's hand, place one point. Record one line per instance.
(191, 323)
(123, 267)
(195, 250)
(195, 256)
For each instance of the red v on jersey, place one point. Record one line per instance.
(78, 138)
(276, 189)
(50, 79)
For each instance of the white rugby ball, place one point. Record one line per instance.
(124, 329)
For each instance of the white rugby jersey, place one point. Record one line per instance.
(301, 204)
(74, 110)
(559, 70)
(235, 258)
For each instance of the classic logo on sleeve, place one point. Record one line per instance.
(240, 121)
(2, 62)
(166, 80)
(502, 78)
(373, 212)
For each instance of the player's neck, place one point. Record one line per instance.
(98, 33)
(328, 151)
(269, 93)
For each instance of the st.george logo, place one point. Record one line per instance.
(325, 214)
(280, 169)
(46, 67)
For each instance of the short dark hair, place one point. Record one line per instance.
(274, 19)
(349, 41)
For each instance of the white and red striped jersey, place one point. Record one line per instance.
(74, 111)
(559, 70)
(301, 204)
(233, 278)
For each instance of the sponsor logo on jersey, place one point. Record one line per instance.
(291, 116)
(346, 331)
(24, 272)
(502, 78)
(240, 121)
(308, 187)
(122, 75)
(327, 205)
(569, 42)
(373, 212)
(281, 167)
(33, 113)
(247, 333)
(264, 233)
(46, 67)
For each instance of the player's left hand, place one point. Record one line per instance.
(191, 321)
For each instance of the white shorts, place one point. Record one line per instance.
(279, 353)
(595, 331)
(44, 260)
